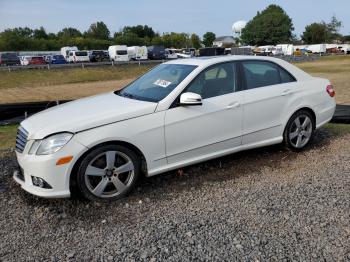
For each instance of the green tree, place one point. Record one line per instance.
(40, 33)
(322, 32)
(195, 41)
(208, 39)
(346, 38)
(315, 33)
(157, 41)
(333, 28)
(23, 32)
(129, 39)
(69, 32)
(141, 31)
(98, 30)
(271, 26)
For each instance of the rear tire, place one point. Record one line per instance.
(299, 130)
(108, 173)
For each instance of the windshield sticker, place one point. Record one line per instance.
(162, 83)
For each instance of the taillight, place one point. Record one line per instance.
(330, 90)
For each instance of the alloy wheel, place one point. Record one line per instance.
(109, 174)
(300, 131)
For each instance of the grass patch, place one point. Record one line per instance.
(8, 136)
(44, 77)
(337, 129)
(326, 65)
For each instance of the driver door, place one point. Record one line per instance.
(203, 131)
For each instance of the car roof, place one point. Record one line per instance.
(203, 62)
(209, 60)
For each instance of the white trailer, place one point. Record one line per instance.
(137, 53)
(118, 53)
(66, 49)
(287, 49)
(317, 49)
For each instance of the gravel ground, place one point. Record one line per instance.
(265, 204)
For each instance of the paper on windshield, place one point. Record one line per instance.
(162, 83)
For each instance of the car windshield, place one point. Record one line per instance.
(157, 83)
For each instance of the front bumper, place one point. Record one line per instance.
(58, 177)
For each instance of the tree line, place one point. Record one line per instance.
(98, 36)
(273, 26)
(269, 27)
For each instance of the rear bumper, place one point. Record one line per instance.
(325, 113)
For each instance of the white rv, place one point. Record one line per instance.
(317, 49)
(118, 53)
(65, 51)
(277, 50)
(287, 49)
(137, 53)
(78, 57)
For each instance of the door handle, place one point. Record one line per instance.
(233, 105)
(287, 92)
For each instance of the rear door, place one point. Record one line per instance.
(268, 89)
(194, 132)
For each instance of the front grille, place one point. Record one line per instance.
(21, 139)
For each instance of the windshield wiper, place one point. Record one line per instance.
(127, 95)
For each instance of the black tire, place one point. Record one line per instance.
(81, 177)
(290, 127)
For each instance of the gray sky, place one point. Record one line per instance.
(164, 16)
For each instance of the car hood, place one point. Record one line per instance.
(84, 114)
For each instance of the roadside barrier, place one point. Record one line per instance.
(78, 65)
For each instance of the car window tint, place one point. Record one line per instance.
(260, 73)
(286, 77)
(216, 81)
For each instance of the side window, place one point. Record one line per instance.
(260, 73)
(286, 77)
(215, 81)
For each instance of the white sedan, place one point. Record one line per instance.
(180, 113)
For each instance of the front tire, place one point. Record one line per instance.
(299, 131)
(108, 173)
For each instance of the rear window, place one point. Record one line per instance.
(9, 56)
(58, 57)
(122, 52)
(81, 53)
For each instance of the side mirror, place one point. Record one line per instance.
(190, 99)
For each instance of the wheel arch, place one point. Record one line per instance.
(74, 171)
(305, 108)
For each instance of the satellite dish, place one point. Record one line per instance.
(238, 27)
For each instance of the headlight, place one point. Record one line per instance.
(50, 144)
